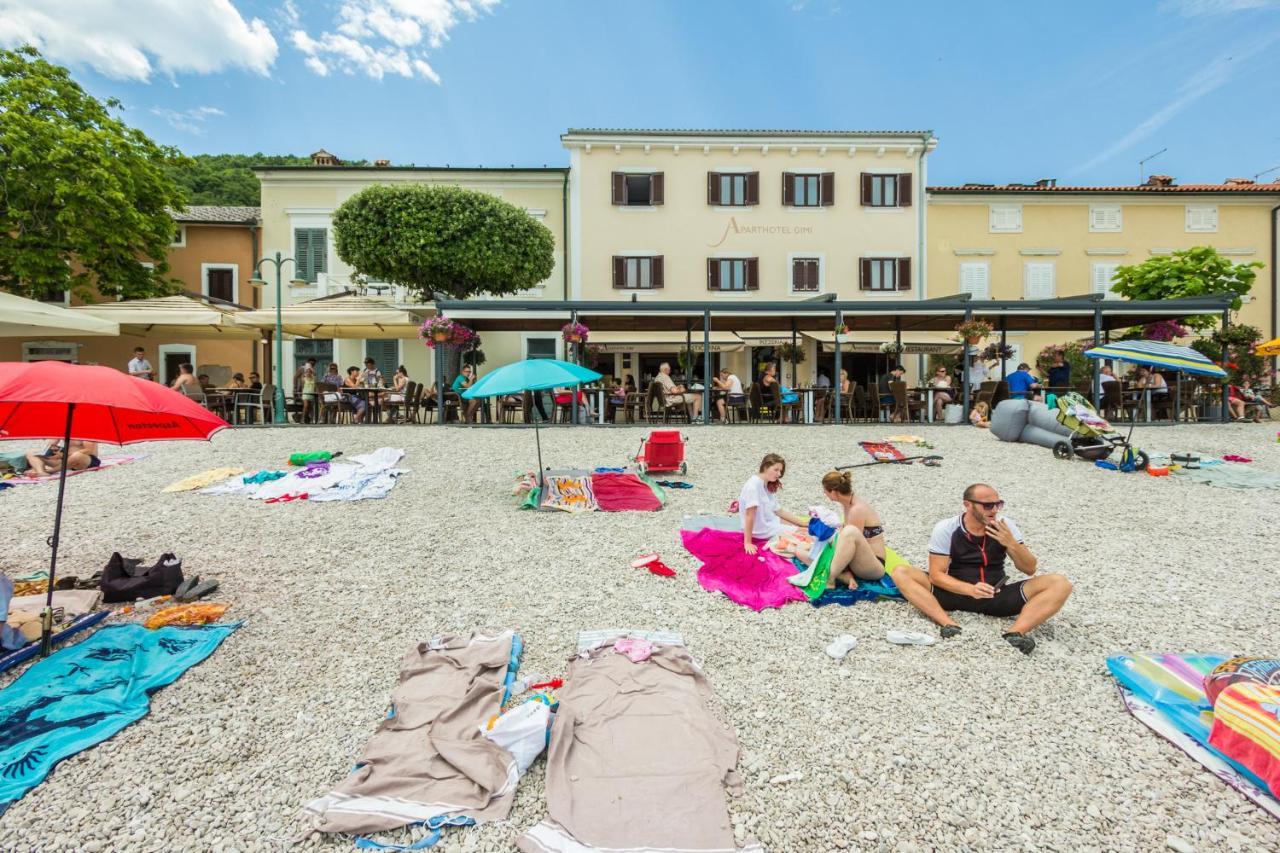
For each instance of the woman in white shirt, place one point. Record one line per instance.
(758, 508)
(732, 386)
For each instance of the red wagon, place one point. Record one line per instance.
(662, 452)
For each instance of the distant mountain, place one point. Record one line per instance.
(229, 178)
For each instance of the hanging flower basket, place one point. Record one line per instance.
(842, 329)
(793, 353)
(892, 348)
(440, 331)
(995, 352)
(973, 331)
(574, 333)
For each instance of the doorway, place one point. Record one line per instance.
(172, 356)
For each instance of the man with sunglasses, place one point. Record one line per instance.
(966, 572)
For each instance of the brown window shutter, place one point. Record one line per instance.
(904, 273)
(828, 191)
(864, 273)
(904, 189)
(655, 272)
(713, 273)
(655, 188)
(866, 189)
(788, 188)
(813, 275)
(753, 273)
(753, 188)
(797, 274)
(619, 188)
(619, 273)
(713, 188)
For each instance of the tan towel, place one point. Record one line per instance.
(75, 602)
(430, 759)
(637, 762)
(204, 478)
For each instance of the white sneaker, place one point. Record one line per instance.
(841, 646)
(910, 638)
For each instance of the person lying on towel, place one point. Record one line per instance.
(83, 454)
(966, 572)
(762, 518)
(859, 544)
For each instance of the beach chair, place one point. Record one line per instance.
(904, 407)
(662, 452)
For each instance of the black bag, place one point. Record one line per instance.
(125, 579)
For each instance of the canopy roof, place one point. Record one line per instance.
(27, 318)
(669, 341)
(184, 315)
(343, 316)
(913, 343)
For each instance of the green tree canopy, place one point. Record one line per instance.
(441, 239)
(229, 178)
(1189, 272)
(83, 196)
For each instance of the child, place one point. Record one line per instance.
(308, 393)
(980, 414)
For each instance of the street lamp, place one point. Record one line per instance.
(277, 406)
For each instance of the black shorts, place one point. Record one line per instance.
(1008, 601)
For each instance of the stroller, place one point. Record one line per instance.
(662, 452)
(1093, 438)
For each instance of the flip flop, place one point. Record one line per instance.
(910, 638)
(841, 646)
(198, 591)
(185, 587)
(653, 563)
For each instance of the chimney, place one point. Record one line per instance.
(382, 164)
(1239, 182)
(324, 158)
(1160, 181)
(1044, 183)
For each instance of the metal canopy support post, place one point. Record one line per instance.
(964, 362)
(706, 367)
(795, 380)
(1004, 338)
(835, 380)
(1226, 357)
(1097, 363)
(438, 364)
(576, 389)
(1177, 397)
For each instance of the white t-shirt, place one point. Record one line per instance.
(977, 374)
(735, 385)
(756, 494)
(1104, 379)
(139, 365)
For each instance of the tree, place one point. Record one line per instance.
(441, 239)
(229, 178)
(83, 196)
(1241, 362)
(1189, 272)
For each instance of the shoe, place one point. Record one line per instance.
(909, 638)
(841, 646)
(1021, 642)
(949, 631)
(198, 591)
(185, 587)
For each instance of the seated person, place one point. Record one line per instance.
(1106, 374)
(187, 382)
(758, 504)
(357, 401)
(1253, 400)
(942, 382)
(81, 455)
(895, 374)
(859, 544)
(205, 382)
(255, 381)
(966, 572)
(981, 415)
(237, 381)
(1059, 372)
(727, 382)
(462, 382)
(678, 395)
(1022, 384)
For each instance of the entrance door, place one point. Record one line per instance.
(386, 354)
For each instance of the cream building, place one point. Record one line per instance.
(723, 216)
(1043, 241)
(297, 208)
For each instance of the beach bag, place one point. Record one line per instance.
(953, 413)
(125, 579)
(521, 731)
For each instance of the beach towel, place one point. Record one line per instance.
(865, 590)
(1166, 693)
(567, 491)
(429, 762)
(363, 477)
(203, 479)
(637, 761)
(1230, 475)
(1246, 728)
(755, 580)
(881, 451)
(83, 694)
(106, 462)
(622, 492)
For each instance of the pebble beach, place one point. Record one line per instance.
(963, 745)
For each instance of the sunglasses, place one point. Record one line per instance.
(989, 504)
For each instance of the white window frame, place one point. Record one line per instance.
(1026, 279)
(817, 174)
(1093, 279)
(311, 219)
(235, 279)
(1095, 209)
(525, 337)
(167, 349)
(993, 209)
(1192, 229)
(821, 258)
(65, 301)
(983, 265)
(181, 242)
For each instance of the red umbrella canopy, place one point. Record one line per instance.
(110, 406)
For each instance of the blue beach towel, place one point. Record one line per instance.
(83, 694)
(865, 591)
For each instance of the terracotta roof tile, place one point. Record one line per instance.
(207, 213)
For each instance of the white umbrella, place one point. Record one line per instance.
(27, 318)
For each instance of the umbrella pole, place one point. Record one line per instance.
(46, 621)
(537, 437)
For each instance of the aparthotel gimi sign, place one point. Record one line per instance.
(733, 229)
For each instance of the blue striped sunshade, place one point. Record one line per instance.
(1158, 354)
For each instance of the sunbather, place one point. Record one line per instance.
(966, 572)
(758, 504)
(83, 454)
(859, 544)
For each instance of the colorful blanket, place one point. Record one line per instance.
(608, 491)
(107, 462)
(1246, 726)
(368, 476)
(755, 580)
(83, 694)
(1166, 693)
(881, 451)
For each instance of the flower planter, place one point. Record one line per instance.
(441, 337)
(573, 339)
(973, 339)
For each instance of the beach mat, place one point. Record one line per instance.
(881, 451)
(107, 462)
(1166, 693)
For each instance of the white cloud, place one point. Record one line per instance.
(381, 37)
(132, 39)
(1195, 8)
(1208, 79)
(191, 121)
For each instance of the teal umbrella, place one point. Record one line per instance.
(532, 374)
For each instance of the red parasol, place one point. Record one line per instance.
(51, 399)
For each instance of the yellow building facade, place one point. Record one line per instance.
(1043, 241)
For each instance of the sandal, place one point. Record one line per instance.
(196, 591)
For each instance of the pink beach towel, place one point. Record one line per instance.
(623, 492)
(756, 581)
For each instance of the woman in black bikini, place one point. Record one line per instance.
(859, 553)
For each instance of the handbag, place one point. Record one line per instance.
(125, 578)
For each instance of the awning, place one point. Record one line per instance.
(343, 316)
(173, 316)
(769, 339)
(913, 343)
(27, 318)
(662, 341)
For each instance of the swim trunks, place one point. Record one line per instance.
(1008, 601)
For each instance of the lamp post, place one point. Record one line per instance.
(277, 405)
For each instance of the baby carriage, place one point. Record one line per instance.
(662, 452)
(1093, 437)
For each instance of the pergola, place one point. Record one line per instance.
(1090, 313)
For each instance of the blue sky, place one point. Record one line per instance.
(1079, 91)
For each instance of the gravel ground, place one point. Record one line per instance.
(963, 745)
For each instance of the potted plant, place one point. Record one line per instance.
(793, 353)
(574, 333)
(892, 348)
(973, 331)
(842, 329)
(443, 332)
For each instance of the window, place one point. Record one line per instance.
(540, 348)
(321, 349)
(637, 272)
(1039, 280)
(886, 190)
(806, 275)
(1103, 276)
(733, 189)
(385, 354)
(637, 189)
(55, 297)
(1202, 217)
(733, 275)
(311, 251)
(179, 237)
(975, 278)
(884, 274)
(1006, 218)
(1104, 217)
(817, 189)
(220, 283)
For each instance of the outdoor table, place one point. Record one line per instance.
(1144, 392)
(927, 392)
(373, 399)
(231, 394)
